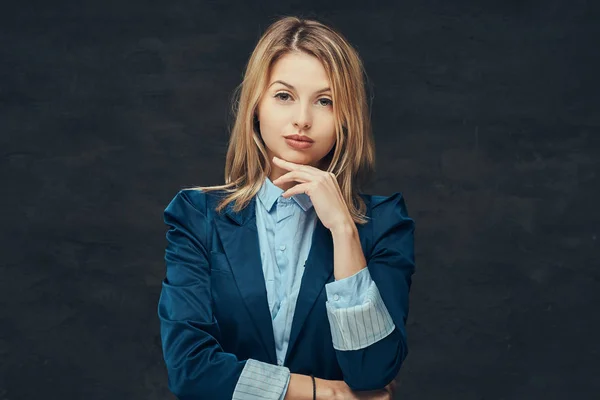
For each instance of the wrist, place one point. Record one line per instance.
(344, 229)
(301, 388)
(326, 389)
(338, 390)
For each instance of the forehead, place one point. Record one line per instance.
(299, 69)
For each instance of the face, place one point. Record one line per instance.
(298, 101)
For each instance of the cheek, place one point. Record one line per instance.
(272, 125)
(272, 122)
(329, 144)
(328, 131)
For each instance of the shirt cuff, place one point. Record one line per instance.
(349, 291)
(260, 380)
(357, 314)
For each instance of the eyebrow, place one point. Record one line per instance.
(293, 88)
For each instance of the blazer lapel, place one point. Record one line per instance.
(239, 236)
(317, 272)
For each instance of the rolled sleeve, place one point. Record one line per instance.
(260, 380)
(357, 314)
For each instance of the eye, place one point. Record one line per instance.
(328, 102)
(286, 96)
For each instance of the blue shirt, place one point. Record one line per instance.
(285, 229)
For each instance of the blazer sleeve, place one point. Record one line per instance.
(197, 366)
(391, 265)
(357, 315)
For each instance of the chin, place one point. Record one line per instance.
(297, 157)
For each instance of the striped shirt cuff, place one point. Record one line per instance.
(260, 380)
(357, 326)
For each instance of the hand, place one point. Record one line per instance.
(343, 392)
(322, 188)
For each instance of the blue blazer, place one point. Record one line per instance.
(213, 306)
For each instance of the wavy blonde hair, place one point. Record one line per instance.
(352, 160)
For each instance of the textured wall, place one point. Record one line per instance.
(486, 117)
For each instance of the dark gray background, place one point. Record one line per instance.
(486, 117)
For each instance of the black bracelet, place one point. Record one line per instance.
(314, 387)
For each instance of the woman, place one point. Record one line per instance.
(287, 282)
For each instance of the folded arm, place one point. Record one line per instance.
(367, 311)
(196, 364)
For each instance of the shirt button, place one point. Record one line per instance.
(279, 362)
(336, 297)
(282, 247)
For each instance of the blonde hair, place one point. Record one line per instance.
(352, 160)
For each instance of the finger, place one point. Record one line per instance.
(300, 188)
(392, 387)
(299, 176)
(293, 166)
(285, 164)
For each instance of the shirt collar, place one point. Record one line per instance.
(269, 193)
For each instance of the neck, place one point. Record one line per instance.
(276, 172)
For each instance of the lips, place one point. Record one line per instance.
(300, 138)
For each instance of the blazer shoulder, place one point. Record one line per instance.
(394, 201)
(196, 200)
(389, 211)
(188, 198)
(187, 212)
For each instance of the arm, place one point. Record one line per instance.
(357, 315)
(301, 388)
(196, 364)
(370, 363)
(260, 380)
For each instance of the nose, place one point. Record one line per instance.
(302, 119)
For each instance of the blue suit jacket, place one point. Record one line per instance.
(213, 306)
